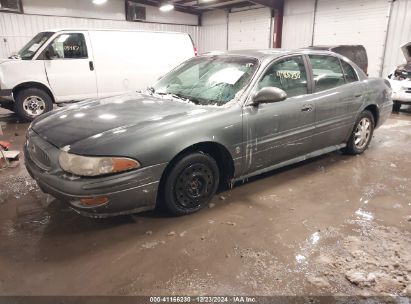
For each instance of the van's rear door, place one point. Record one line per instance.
(70, 68)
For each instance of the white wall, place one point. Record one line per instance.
(112, 9)
(298, 23)
(347, 26)
(40, 15)
(398, 34)
(249, 29)
(221, 30)
(354, 22)
(18, 29)
(213, 32)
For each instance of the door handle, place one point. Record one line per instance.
(307, 108)
(357, 95)
(91, 65)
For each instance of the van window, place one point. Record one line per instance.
(349, 72)
(68, 46)
(288, 74)
(327, 72)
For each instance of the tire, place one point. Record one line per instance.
(396, 106)
(359, 140)
(32, 102)
(190, 184)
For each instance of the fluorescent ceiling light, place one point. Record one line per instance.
(166, 7)
(99, 2)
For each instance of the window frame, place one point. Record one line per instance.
(52, 39)
(340, 60)
(270, 64)
(19, 10)
(355, 71)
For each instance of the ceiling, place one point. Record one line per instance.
(197, 7)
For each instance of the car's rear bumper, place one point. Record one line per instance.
(384, 113)
(6, 93)
(128, 192)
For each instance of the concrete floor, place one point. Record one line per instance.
(336, 224)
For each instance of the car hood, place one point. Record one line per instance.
(95, 118)
(3, 60)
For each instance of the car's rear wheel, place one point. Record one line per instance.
(396, 106)
(362, 134)
(190, 184)
(32, 102)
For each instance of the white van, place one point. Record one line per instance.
(66, 65)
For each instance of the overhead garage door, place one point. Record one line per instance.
(249, 29)
(354, 22)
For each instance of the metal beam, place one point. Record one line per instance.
(177, 7)
(268, 3)
(278, 24)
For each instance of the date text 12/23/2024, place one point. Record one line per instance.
(203, 299)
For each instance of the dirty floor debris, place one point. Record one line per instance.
(336, 224)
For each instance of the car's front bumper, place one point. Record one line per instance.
(402, 96)
(128, 192)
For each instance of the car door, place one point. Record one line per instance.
(276, 132)
(69, 67)
(337, 97)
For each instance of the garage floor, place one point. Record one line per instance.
(336, 224)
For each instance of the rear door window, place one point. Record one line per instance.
(327, 72)
(68, 46)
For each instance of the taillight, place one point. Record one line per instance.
(195, 51)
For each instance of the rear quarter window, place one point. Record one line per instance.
(349, 72)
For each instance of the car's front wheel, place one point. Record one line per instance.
(362, 133)
(190, 184)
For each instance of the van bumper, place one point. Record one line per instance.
(126, 193)
(6, 93)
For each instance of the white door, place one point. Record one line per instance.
(249, 29)
(70, 68)
(354, 22)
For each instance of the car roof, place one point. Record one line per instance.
(263, 54)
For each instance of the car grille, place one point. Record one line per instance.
(39, 156)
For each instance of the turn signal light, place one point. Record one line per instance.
(93, 201)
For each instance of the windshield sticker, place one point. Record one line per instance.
(228, 75)
(34, 47)
(289, 75)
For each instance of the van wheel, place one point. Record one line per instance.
(191, 184)
(32, 102)
(362, 134)
(396, 106)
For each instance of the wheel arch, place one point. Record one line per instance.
(33, 84)
(216, 150)
(375, 113)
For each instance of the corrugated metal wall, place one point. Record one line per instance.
(213, 32)
(298, 23)
(249, 29)
(398, 34)
(17, 29)
(354, 22)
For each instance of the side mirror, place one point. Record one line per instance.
(269, 95)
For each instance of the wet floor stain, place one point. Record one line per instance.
(332, 225)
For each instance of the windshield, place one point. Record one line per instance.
(213, 80)
(28, 51)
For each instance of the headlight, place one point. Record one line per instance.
(94, 166)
